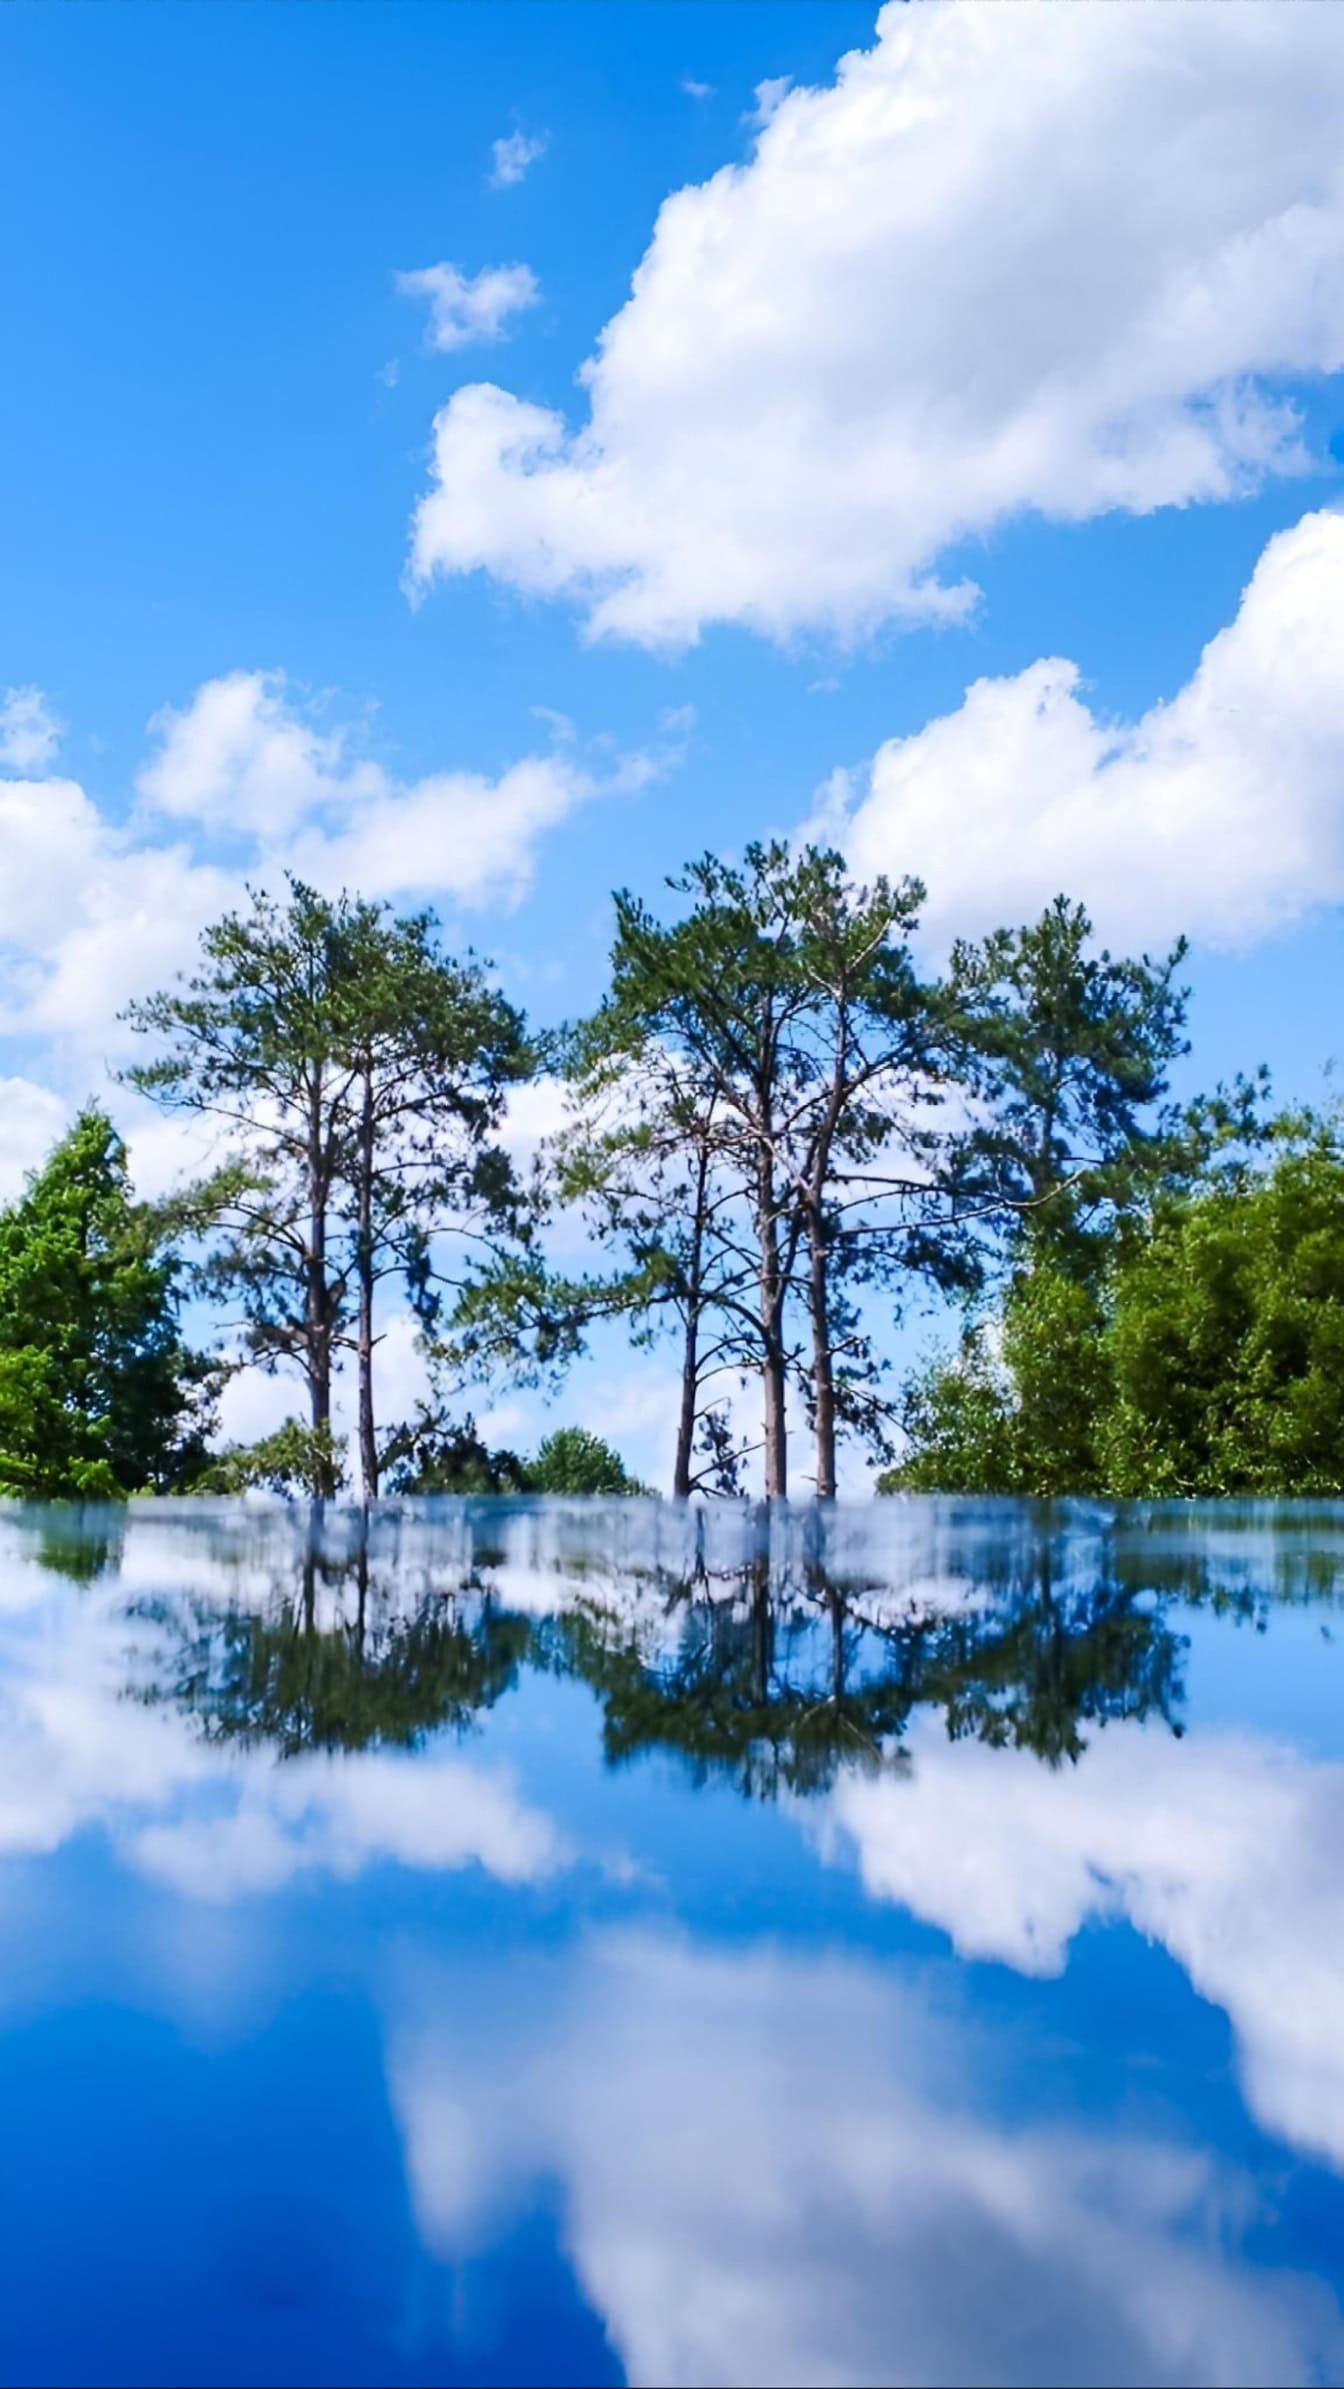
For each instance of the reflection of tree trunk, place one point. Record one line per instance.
(362, 1587)
(762, 1629)
(837, 1610)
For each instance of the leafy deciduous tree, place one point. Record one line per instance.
(99, 1395)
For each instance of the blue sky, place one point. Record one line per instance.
(1046, 301)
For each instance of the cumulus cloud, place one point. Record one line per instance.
(1226, 1848)
(29, 730)
(94, 911)
(863, 2214)
(240, 758)
(937, 295)
(465, 309)
(31, 1121)
(77, 1754)
(511, 156)
(1220, 813)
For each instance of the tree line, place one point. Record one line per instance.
(784, 1133)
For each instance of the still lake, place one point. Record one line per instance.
(549, 1942)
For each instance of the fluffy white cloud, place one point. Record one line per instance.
(459, 834)
(29, 731)
(943, 290)
(467, 308)
(789, 2170)
(76, 1753)
(245, 756)
(239, 758)
(511, 156)
(31, 1120)
(93, 912)
(1220, 813)
(1226, 1848)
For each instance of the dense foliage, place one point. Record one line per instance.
(1204, 1356)
(99, 1395)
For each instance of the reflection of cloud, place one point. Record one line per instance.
(341, 1814)
(75, 1752)
(1227, 1849)
(779, 2170)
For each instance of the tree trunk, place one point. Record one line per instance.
(681, 1471)
(690, 1350)
(823, 1365)
(368, 1441)
(772, 1349)
(317, 1319)
(776, 1431)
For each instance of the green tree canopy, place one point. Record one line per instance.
(574, 1460)
(356, 1075)
(99, 1395)
(1206, 1357)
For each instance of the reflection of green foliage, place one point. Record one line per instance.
(725, 1707)
(774, 1674)
(277, 1679)
(781, 1694)
(81, 1543)
(1031, 1679)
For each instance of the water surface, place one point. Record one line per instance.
(545, 1942)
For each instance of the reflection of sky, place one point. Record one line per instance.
(481, 2061)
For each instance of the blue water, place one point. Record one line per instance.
(515, 1942)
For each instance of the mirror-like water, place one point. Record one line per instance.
(555, 1942)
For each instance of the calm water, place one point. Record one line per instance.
(529, 1943)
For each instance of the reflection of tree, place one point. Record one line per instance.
(1029, 1674)
(802, 1673)
(740, 1695)
(1243, 1559)
(285, 1675)
(81, 1540)
(757, 1649)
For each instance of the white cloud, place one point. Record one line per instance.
(1220, 813)
(131, 921)
(239, 758)
(215, 1825)
(785, 2169)
(1226, 1848)
(459, 834)
(50, 834)
(32, 1120)
(695, 90)
(768, 98)
(94, 912)
(29, 731)
(939, 294)
(339, 1815)
(511, 156)
(468, 308)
